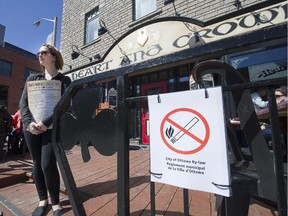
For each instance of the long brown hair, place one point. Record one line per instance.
(59, 59)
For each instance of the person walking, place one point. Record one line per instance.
(38, 133)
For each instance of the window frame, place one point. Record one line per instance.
(91, 17)
(3, 70)
(137, 5)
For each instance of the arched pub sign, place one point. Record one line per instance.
(164, 36)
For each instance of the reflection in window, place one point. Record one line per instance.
(5, 68)
(92, 25)
(262, 65)
(143, 7)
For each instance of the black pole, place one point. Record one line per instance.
(69, 182)
(152, 198)
(186, 201)
(277, 153)
(123, 197)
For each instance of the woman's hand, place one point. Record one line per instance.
(41, 126)
(34, 128)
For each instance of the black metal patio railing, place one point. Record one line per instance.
(76, 113)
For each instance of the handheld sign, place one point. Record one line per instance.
(43, 95)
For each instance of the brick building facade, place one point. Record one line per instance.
(16, 64)
(164, 41)
(118, 16)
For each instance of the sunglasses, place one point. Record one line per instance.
(279, 95)
(42, 53)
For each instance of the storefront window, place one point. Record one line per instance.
(143, 7)
(262, 65)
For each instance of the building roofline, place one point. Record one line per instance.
(19, 50)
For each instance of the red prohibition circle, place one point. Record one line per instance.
(202, 142)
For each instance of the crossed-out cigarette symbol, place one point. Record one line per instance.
(196, 128)
(188, 126)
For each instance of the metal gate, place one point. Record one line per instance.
(67, 113)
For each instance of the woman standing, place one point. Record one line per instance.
(38, 134)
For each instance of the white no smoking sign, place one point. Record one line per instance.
(187, 141)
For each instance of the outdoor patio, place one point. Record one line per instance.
(97, 184)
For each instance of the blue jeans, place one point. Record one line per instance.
(267, 133)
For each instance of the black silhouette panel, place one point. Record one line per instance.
(80, 124)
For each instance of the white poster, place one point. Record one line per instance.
(188, 142)
(43, 95)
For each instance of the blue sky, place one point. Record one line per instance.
(18, 17)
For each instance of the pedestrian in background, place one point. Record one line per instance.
(38, 136)
(5, 125)
(15, 134)
(281, 94)
(259, 99)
